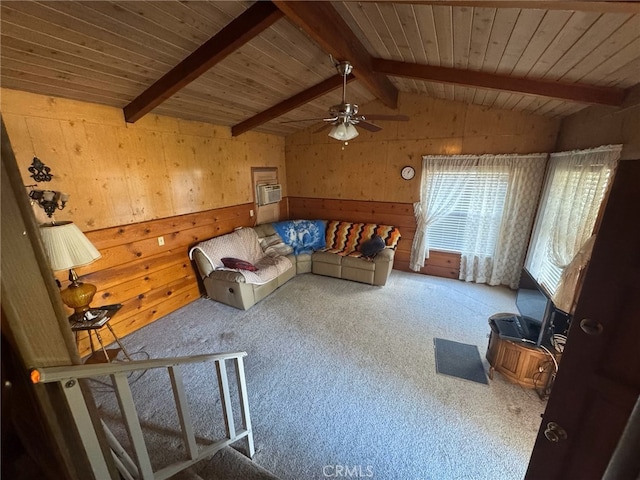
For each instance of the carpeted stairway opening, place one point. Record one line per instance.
(341, 378)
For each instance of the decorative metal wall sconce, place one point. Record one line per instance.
(49, 200)
(39, 171)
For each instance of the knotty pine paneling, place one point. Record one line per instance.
(368, 168)
(595, 126)
(118, 173)
(148, 279)
(441, 264)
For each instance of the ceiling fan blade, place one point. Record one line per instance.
(397, 118)
(309, 120)
(368, 126)
(323, 127)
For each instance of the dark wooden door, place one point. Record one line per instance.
(599, 378)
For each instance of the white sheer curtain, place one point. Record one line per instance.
(576, 185)
(503, 213)
(438, 197)
(564, 298)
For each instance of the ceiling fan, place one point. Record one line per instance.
(344, 116)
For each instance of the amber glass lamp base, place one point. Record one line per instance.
(78, 295)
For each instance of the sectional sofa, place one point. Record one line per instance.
(282, 250)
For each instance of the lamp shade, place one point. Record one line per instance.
(66, 246)
(344, 131)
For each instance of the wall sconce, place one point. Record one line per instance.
(39, 171)
(49, 200)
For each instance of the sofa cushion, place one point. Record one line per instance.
(326, 257)
(361, 263)
(236, 263)
(227, 276)
(264, 230)
(304, 236)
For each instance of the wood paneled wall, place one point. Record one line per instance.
(149, 279)
(598, 125)
(119, 173)
(368, 168)
(129, 184)
(360, 181)
(399, 215)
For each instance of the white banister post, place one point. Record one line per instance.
(244, 404)
(83, 422)
(225, 398)
(184, 415)
(132, 423)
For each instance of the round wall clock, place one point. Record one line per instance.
(408, 172)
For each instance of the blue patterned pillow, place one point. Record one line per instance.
(304, 236)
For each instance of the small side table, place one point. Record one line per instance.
(94, 320)
(519, 363)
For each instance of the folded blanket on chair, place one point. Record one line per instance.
(243, 244)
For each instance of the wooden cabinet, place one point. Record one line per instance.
(526, 365)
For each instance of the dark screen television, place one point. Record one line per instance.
(537, 309)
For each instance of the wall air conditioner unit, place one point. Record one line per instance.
(269, 194)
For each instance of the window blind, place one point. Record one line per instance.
(480, 188)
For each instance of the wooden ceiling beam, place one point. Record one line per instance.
(327, 28)
(239, 31)
(289, 104)
(564, 91)
(570, 5)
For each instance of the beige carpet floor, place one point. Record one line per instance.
(342, 380)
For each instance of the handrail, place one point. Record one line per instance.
(138, 466)
(56, 374)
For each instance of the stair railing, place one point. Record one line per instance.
(140, 467)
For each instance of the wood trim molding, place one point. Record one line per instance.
(239, 31)
(565, 91)
(289, 104)
(324, 24)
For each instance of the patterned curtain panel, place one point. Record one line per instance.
(526, 176)
(488, 203)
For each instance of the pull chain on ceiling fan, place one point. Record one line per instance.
(344, 116)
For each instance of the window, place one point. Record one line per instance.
(481, 206)
(480, 202)
(575, 187)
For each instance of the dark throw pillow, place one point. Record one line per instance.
(370, 248)
(238, 264)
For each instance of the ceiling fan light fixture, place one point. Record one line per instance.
(351, 132)
(344, 132)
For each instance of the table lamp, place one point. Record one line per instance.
(68, 248)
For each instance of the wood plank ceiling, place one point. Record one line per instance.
(111, 52)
